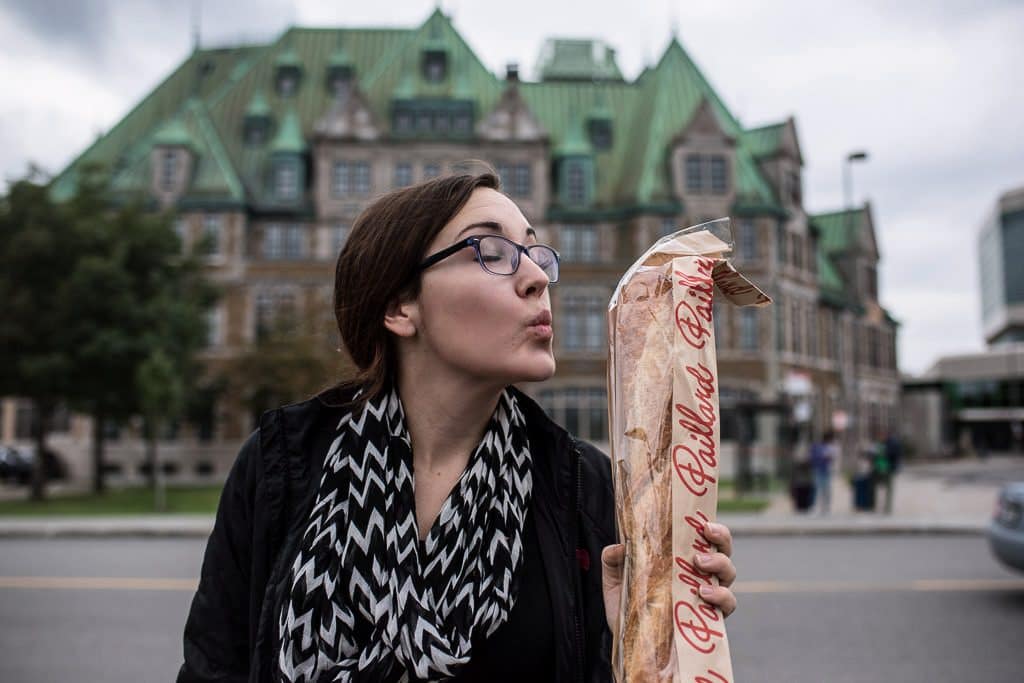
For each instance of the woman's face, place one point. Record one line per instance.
(481, 326)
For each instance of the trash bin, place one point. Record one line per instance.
(864, 493)
(801, 487)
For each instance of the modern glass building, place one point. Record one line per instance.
(1000, 255)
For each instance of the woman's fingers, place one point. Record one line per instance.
(720, 536)
(719, 596)
(718, 564)
(612, 559)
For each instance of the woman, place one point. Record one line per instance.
(427, 521)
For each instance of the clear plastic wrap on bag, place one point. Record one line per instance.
(663, 422)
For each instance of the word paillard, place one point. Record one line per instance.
(740, 588)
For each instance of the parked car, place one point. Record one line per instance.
(1006, 532)
(16, 465)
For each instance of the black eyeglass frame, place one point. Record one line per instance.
(474, 241)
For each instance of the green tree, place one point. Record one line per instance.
(131, 294)
(92, 288)
(289, 361)
(39, 244)
(161, 398)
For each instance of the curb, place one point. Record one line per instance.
(107, 527)
(853, 526)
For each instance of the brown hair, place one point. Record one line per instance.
(379, 265)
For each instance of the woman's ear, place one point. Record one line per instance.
(402, 318)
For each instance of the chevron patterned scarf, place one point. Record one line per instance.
(367, 600)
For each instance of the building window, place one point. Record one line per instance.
(274, 310)
(168, 170)
(812, 332)
(582, 411)
(435, 65)
(576, 192)
(706, 173)
(213, 235)
(403, 174)
(781, 238)
(431, 170)
(780, 322)
(600, 133)
(284, 242)
(214, 327)
(286, 180)
(669, 226)
(522, 181)
(749, 337)
(403, 122)
(578, 243)
(747, 240)
(287, 80)
(584, 322)
(294, 242)
(719, 178)
(350, 178)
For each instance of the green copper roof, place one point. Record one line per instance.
(575, 142)
(288, 57)
(578, 60)
(173, 134)
(764, 141)
(340, 56)
(258, 105)
(213, 177)
(838, 229)
(647, 114)
(289, 135)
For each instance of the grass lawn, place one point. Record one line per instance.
(744, 505)
(198, 500)
(202, 500)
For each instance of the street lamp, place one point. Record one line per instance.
(855, 422)
(859, 155)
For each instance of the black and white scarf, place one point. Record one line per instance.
(367, 601)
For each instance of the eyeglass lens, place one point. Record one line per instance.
(501, 257)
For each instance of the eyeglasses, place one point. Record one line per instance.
(500, 256)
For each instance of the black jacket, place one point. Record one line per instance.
(231, 631)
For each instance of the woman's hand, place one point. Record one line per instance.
(718, 563)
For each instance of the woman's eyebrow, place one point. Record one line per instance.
(494, 225)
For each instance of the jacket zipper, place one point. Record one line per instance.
(578, 491)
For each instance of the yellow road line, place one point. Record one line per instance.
(921, 585)
(98, 583)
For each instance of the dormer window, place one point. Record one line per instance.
(169, 162)
(600, 131)
(435, 65)
(286, 179)
(706, 173)
(339, 80)
(287, 82)
(576, 183)
(256, 130)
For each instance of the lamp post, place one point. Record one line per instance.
(853, 436)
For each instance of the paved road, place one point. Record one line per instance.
(841, 610)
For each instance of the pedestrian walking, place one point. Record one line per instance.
(883, 473)
(426, 521)
(824, 456)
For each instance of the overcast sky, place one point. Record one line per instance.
(932, 90)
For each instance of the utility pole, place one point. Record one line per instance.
(853, 436)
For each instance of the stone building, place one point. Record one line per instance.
(270, 151)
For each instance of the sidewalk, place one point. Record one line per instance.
(933, 498)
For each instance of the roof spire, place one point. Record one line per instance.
(673, 20)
